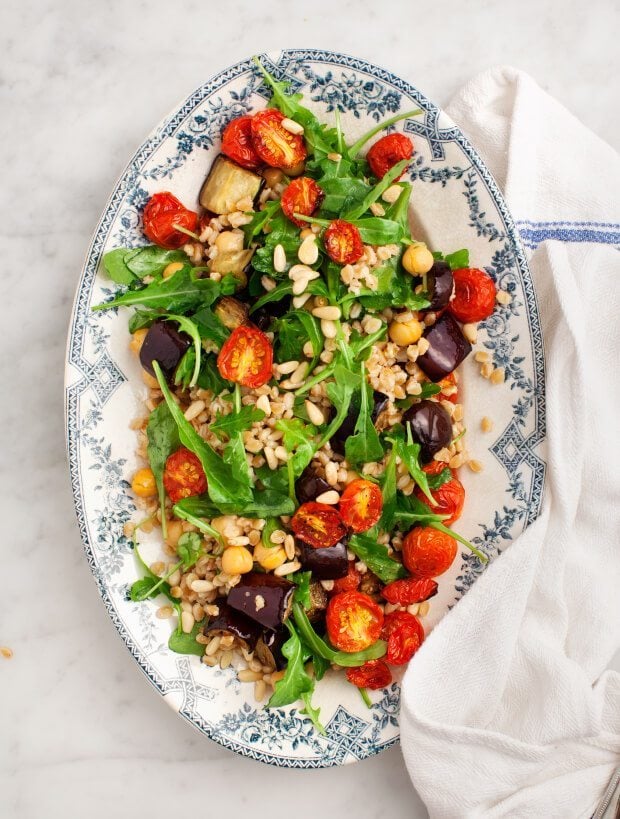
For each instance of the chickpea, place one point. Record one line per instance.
(269, 557)
(143, 483)
(229, 240)
(171, 269)
(273, 177)
(137, 340)
(150, 380)
(237, 560)
(417, 259)
(175, 530)
(404, 333)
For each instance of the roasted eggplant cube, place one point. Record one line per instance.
(227, 184)
(231, 312)
(309, 486)
(269, 647)
(265, 598)
(165, 344)
(231, 621)
(431, 427)
(233, 263)
(325, 564)
(318, 602)
(439, 285)
(447, 348)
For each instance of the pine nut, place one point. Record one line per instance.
(278, 536)
(281, 453)
(201, 586)
(305, 233)
(308, 349)
(299, 286)
(334, 157)
(302, 271)
(308, 251)
(486, 370)
(279, 259)
(413, 608)
(456, 461)
(330, 497)
(270, 456)
(187, 621)
(329, 313)
(331, 473)
(288, 367)
(328, 585)
(299, 301)
(268, 283)
(486, 425)
(300, 373)
(329, 329)
(260, 689)
(291, 126)
(247, 675)
(377, 209)
(470, 331)
(391, 194)
(372, 324)
(226, 659)
(164, 612)
(503, 297)
(287, 568)
(314, 413)
(482, 356)
(264, 404)
(498, 376)
(474, 465)
(424, 609)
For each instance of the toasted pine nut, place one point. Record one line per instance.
(486, 424)
(329, 313)
(391, 194)
(503, 297)
(264, 404)
(194, 410)
(314, 413)
(288, 367)
(474, 465)
(187, 621)
(291, 126)
(482, 356)
(498, 376)
(334, 157)
(308, 251)
(331, 497)
(470, 331)
(279, 259)
(377, 209)
(287, 568)
(329, 328)
(424, 608)
(299, 301)
(268, 283)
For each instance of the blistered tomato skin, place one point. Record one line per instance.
(237, 143)
(276, 146)
(246, 357)
(428, 552)
(374, 674)
(449, 497)
(318, 524)
(354, 621)
(404, 635)
(408, 591)
(161, 213)
(474, 295)
(349, 583)
(361, 505)
(387, 152)
(343, 242)
(303, 196)
(184, 476)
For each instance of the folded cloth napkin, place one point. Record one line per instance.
(508, 709)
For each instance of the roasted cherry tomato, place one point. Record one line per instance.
(274, 144)
(350, 582)
(387, 152)
(373, 674)
(162, 212)
(246, 357)
(354, 621)
(361, 505)
(304, 196)
(474, 295)
(318, 525)
(449, 389)
(184, 476)
(343, 242)
(449, 497)
(428, 552)
(404, 635)
(237, 143)
(408, 591)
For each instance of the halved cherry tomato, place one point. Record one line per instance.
(387, 152)
(343, 242)
(304, 196)
(449, 497)
(274, 144)
(246, 357)
(361, 505)
(318, 524)
(184, 476)
(404, 635)
(474, 295)
(373, 674)
(449, 389)
(354, 621)
(408, 591)
(162, 212)
(350, 582)
(237, 143)
(428, 552)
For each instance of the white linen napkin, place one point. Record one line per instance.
(507, 709)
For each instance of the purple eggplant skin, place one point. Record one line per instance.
(231, 621)
(269, 647)
(347, 428)
(325, 564)
(265, 598)
(431, 427)
(318, 602)
(165, 344)
(309, 486)
(447, 348)
(439, 283)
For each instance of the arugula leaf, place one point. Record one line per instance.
(263, 504)
(182, 643)
(398, 211)
(320, 648)
(234, 451)
(259, 219)
(274, 479)
(302, 592)
(189, 548)
(180, 511)
(210, 327)
(364, 445)
(340, 193)
(376, 191)
(282, 232)
(163, 439)
(292, 331)
(296, 680)
(375, 556)
(209, 377)
(299, 441)
(225, 489)
(456, 260)
(388, 492)
(188, 326)
(225, 426)
(151, 260)
(141, 319)
(316, 287)
(271, 524)
(116, 267)
(437, 481)
(182, 292)
(340, 393)
(311, 712)
(144, 588)
(409, 453)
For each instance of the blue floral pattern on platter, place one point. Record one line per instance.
(456, 204)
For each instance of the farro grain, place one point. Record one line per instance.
(201, 586)
(503, 297)
(281, 453)
(187, 621)
(164, 612)
(475, 466)
(482, 356)
(486, 424)
(498, 376)
(270, 455)
(423, 346)
(213, 646)
(331, 473)
(226, 659)
(424, 608)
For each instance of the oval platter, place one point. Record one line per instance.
(455, 203)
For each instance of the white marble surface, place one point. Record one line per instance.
(81, 731)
